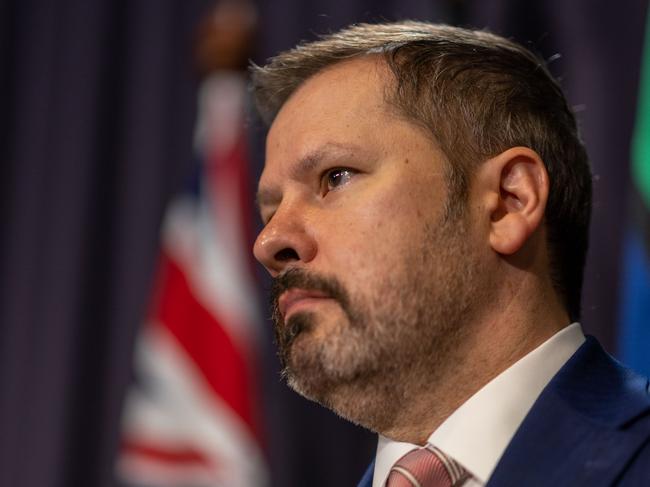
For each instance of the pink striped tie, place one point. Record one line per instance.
(426, 467)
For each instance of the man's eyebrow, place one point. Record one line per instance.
(329, 150)
(272, 196)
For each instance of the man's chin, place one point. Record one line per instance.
(332, 361)
(350, 399)
(319, 387)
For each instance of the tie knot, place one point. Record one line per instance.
(426, 467)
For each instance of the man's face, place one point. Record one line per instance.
(372, 274)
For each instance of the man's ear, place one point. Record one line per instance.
(515, 186)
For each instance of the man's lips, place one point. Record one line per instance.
(294, 298)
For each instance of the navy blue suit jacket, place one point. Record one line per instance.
(589, 427)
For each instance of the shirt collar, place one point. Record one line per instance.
(478, 432)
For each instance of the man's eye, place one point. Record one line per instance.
(337, 177)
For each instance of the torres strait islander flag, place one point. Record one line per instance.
(190, 419)
(634, 343)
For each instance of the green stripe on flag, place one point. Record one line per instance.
(641, 141)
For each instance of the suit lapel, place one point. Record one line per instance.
(579, 431)
(366, 480)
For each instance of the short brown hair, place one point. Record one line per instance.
(478, 94)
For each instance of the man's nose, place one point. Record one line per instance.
(284, 240)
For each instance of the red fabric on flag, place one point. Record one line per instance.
(224, 366)
(179, 455)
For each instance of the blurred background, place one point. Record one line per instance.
(135, 348)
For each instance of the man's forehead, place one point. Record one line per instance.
(338, 90)
(340, 103)
(360, 71)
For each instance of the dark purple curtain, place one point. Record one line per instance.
(96, 113)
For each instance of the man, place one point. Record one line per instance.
(426, 202)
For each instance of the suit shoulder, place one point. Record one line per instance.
(637, 471)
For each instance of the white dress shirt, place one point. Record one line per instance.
(478, 432)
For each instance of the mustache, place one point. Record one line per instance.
(301, 279)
